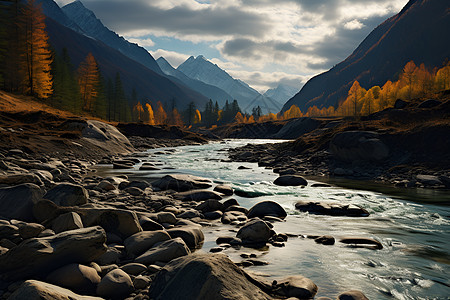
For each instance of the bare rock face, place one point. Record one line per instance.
(17, 202)
(182, 182)
(40, 256)
(33, 289)
(201, 276)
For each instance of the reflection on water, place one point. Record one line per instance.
(413, 264)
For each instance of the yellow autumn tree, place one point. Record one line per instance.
(89, 81)
(239, 118)
(292, 112)
(443, 78)
(408, 76)
(355, 94)
(151, 117)
(139, 110)
(176, 118)
(160, 114)
(251, 120)
(197, 117)
(36, 58)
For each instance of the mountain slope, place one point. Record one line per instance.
(282, 93)
(52, 10)
(209, 91)
(93, 27)
(201, 69)
(419, 32)
(148, 84)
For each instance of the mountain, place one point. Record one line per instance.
(52, 10)
(209, 91)
(148, 84)
(267, 104)
(282, 93)
(419, 32)
(201, 69)
(93, 27)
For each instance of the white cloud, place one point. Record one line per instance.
(142, 42)
(353, 24)
(174, 58)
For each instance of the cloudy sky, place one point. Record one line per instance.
(262, 42)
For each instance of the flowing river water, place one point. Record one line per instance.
(413, 264)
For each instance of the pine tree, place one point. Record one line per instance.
(119, 100)
(110, 99)
(10, 66)
(36, 60)
(100, 107)
(190, 114)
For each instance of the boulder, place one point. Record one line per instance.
(141, 282)
(166, 217)
(352, 146)
(255, 231)
(298, 287)
(68, 194)
(17, 202)
(200, 276)
(113, 255)
(134, 191)
(149, 224)
(290, 180)
(352, 295)
(192, 235)
(213, 215)
(115, 285)
(67, 221)
(325, 240)
(331, 209)
(430, 103)
(30, 230)
(210, 205)
(224, 189)
(78, 278)
(140, 242)
(198, 195)
(400, 104)
(164, 252)
(267, 208)
(121, 222)
(428, 180)
(40, 256)
(105, 185)
(233, 216)
(182, 182)
(362, 242)
(15, 179)
(134, 268)
(34, 290)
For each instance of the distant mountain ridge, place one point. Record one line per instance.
(149, 85)
(209, 91)
(420, 32)
(282, 93)
(201, 69)
(92, 26)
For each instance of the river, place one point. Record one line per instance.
(414, 261)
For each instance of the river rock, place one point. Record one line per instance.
(121, 222)
(164, 252)
(233, 216)
(352, 295)
(68, 194)
(192, 235)
(15, 179)
(255, 231)
(140, 242)
(198, 195)
(115, 285)
(141, 282)
(17, 202)
(113, 255)
(267, 208)
(166, 217)
(182, 182)
(134, 191)
(290, 180)
(67, 221)
(352, 146)
(148, 224)
(105, 185)
(78, 278)
(325, 240)
(33, 289)
(224, 189)
(428, 180)
(209, 205)
(39, 256)
(134, 268)
(362, 241)
(331, 209)
(30, 230)
(200, 276)
(298, 287)
(213, 215)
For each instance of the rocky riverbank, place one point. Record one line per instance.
(406, 146)
(67, 232)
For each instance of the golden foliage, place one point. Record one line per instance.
(139, 110)
(151, 118)
(88, 80)
(160, 114)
